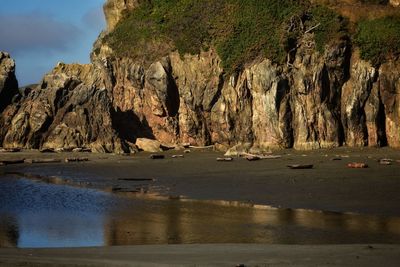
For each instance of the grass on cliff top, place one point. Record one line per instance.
(240, 30)
(379, 39)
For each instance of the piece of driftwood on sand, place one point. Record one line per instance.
(300, 166)
(261, 156)
(252, 158)
(76, 159)
(136, 179)
(385, 161)
(12, 161)
(35, 161)
(225, 159)
(9, 150)
(156, 156)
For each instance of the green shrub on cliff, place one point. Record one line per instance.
(379, 39)
(240, 30)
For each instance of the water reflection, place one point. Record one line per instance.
(34, 214)
(9, 233)
(180, 222)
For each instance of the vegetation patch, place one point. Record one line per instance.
(240, 30)
(379, 39)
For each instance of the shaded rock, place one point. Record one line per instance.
(8, 81)
(389, 89)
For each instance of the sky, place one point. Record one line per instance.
(40, 33)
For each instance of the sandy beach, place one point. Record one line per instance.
(330, 186)
(207, 255)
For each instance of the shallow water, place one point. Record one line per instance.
(36, 214)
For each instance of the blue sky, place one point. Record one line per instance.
(40, 33)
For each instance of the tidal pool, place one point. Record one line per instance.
(34, 214)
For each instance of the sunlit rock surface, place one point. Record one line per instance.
(315, 100)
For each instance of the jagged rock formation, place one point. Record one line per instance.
(8, 82)
(395, 3)
(314, 101)
(71, 108)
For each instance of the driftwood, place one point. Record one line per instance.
(224, 159)
(76, 159)
(201, 147)
(246, 155)
(187, 151)
(301, 166)
(136, 179)
(81, 149)
(129, 190)
(10, 150)
(252, 158)
(177, 156)
(357, 165)
(386, 161)
(157, 156)
(12, 161)
(47, 150)
(33, 161)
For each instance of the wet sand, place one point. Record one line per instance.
(207, 255)
(329, 186)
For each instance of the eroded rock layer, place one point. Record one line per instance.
(316, 100)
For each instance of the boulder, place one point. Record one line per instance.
(148, 145)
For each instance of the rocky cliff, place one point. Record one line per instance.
(8, 81)
(315, 100)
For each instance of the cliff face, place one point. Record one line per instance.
(317, 100)
(114, 11)
(8, 82)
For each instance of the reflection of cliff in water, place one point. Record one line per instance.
(47, 215)
(9, 232)
(183, 222)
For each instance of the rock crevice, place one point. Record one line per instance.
(319, 100)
